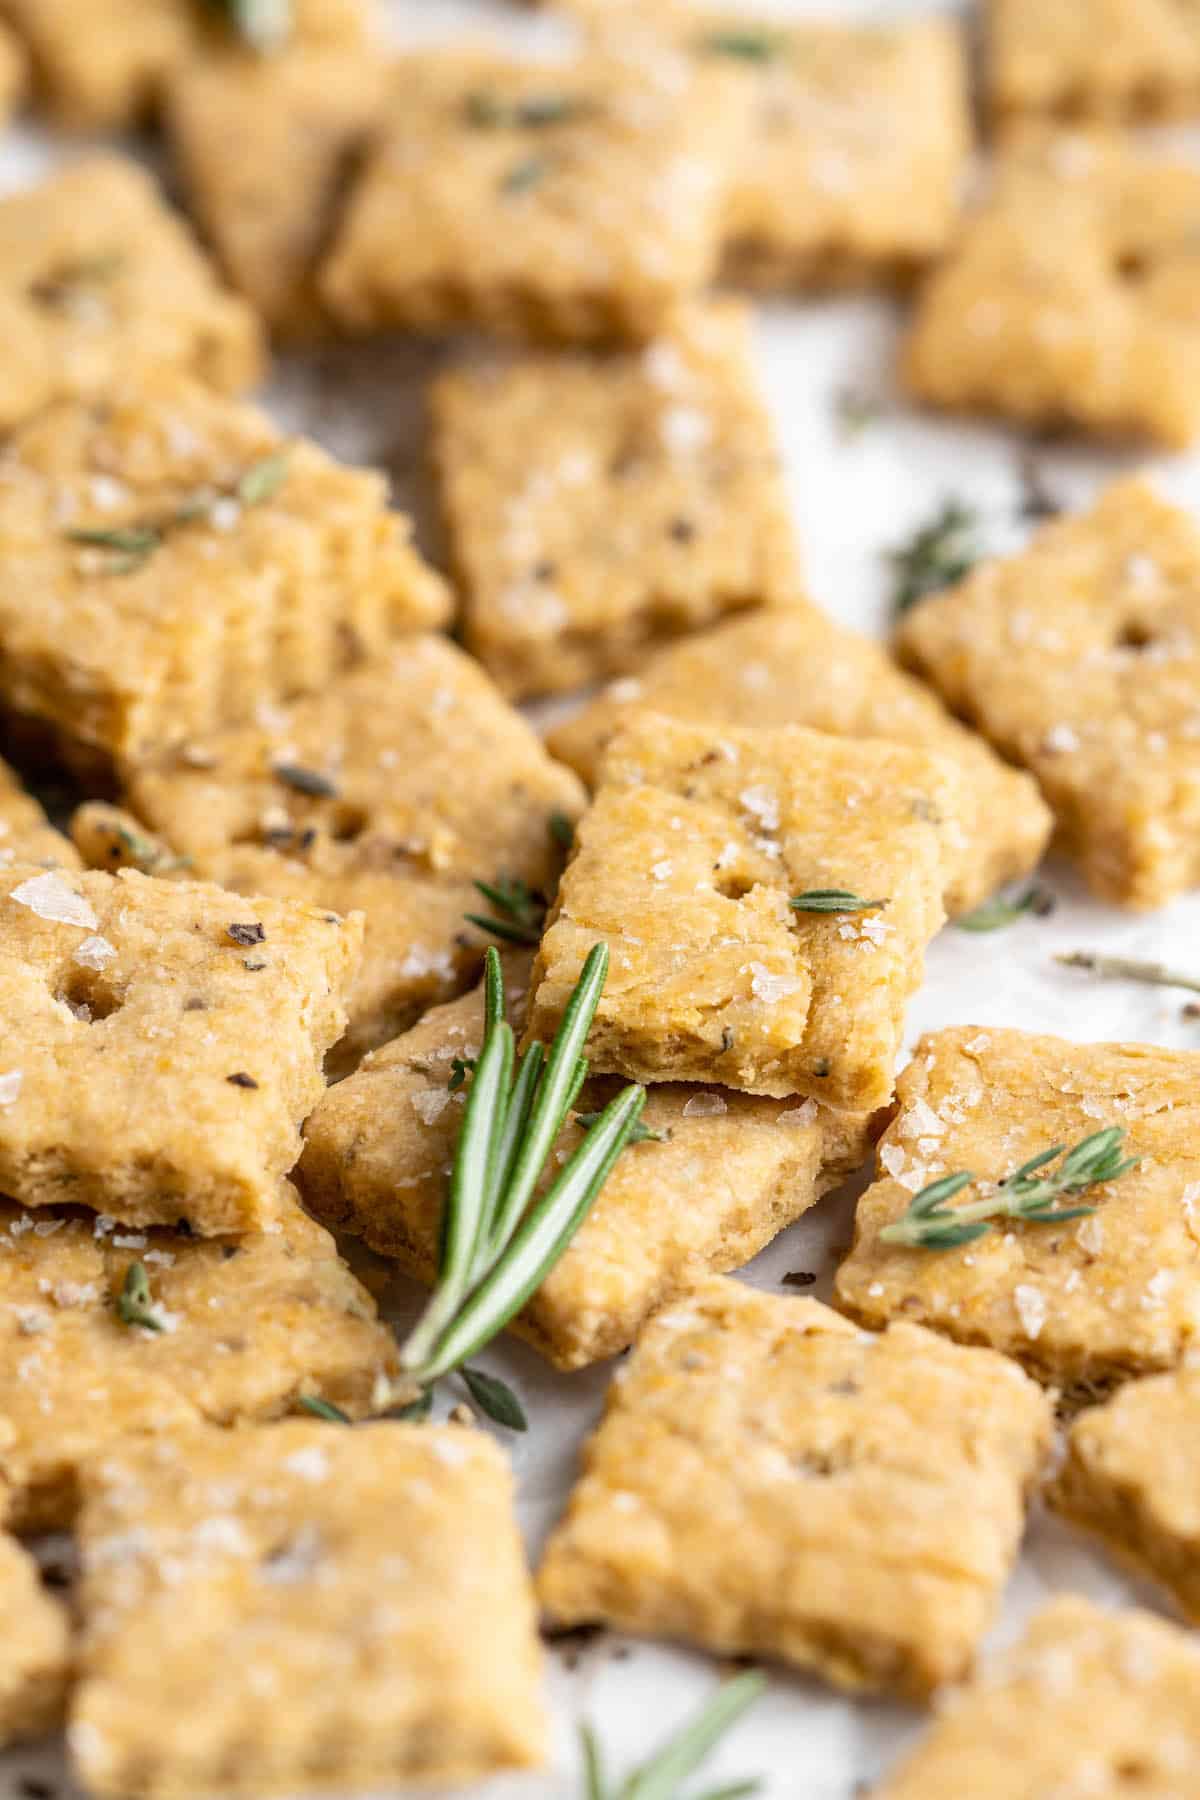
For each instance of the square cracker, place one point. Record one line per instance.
(1099, 696)
(696, 841)
(1132, 1475)
(248, 1326)
(856, 148)
(239, 598)
(726, 1174)
(574, 201)
(35, 1651)
(1088, 1703)
(1116, 60)
(101, 282)
(1071, 295)
(102, 63)
(769, 1481)
(796, 667)
(1084, 1304)
(425, 782)
(595, 506)
(358, 1614)
(163, 1042)
(264, 146)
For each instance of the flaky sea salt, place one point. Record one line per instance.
(704, 1106)
(1030, 1303)
(769, 987)
(430, 1104)
(920, 1120)
(50, 898)
(1060, 740)
(310, 1464)
(94, 952)
(798, 1116)
(763, 803)
(10, 1086)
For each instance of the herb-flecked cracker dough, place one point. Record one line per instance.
(1085, 1304)
(1119, 60)
(1071, 295)
(35, 1651)
(392, 791)
(358, 1614)
(575, 201)
(767, 1480)
(101, 282)
(796, 667)
(698, 838)
(222, 567)
(856, 147)
(248, 1326)
(723, 1175)
(1099, 694)
(1088, 1703)
(597, 505)
(1132, 1475)
(102, 63)
(162, 1043)
(264, 146)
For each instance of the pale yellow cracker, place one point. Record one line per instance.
(192, 565)
(698, 839)
(100, 282)
(1119, 60)
(723, 1174)
(1096, 692)
(574, 201)
(265, 148)
(1132, 1475)
(769, 1481)
(598, 505)
(303, 1608)
(393, 791)
(248, 1326)
(103, 63)
(1084, 1304)
(856, 147)
(35, 1650)
(1071, 295)
(162, 1043)
(796, 667)
(1089, 1703)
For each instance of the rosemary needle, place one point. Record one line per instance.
(517, 912)
(833, 900)
(661, 1777)
(1126, 968)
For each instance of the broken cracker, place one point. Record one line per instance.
(598, 505)
(1084, 1304)
(796, 667)
(1099, 697)
(698, 839)
(358, 1614)
(163, 1043)
(237, 1330)
(720, 1175)
(769, 1481)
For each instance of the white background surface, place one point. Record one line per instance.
(852, 501)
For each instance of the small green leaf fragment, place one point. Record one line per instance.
(135, 1304)
(495, 1398)
(324, 1409)
(1001, 910)
(263, 479)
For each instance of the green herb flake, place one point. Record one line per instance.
(743, 44)
(263, 479)
(524, 176)
(833, 900)
(536, 112)
(309, 782)
(935, 557)
(135, 1304)
(517, 915)
(641, 1133)
(1001, 910)
(460, 1068)
(1128, 968)
(324, 1409)
(495, 1399)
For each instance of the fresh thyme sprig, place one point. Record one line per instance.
(833, 900)
(936, 556)
(517, 912)
(130, 546)
(662, 1776)
(930, 1224)
(135, 1304)
(1001, 910)
(1127, 968)
(262, 24)
(498, 1242)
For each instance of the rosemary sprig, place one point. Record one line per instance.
(1001, 910)
(517, 912)
(641, 1133)
(498, 1242)
(262, 24)
(135, 1304)
(936, 556)
(131, 546)
(1128, 968)
(662, 1776)
(833, 900)
(930, 1224)
(743, 44)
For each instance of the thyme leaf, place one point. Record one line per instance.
(1128, 968)
(1000, 910)
(662, 1776)
(935, 557)
(833, 900)
(495, 1398)
(135, 1304)
(1031, 1193)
